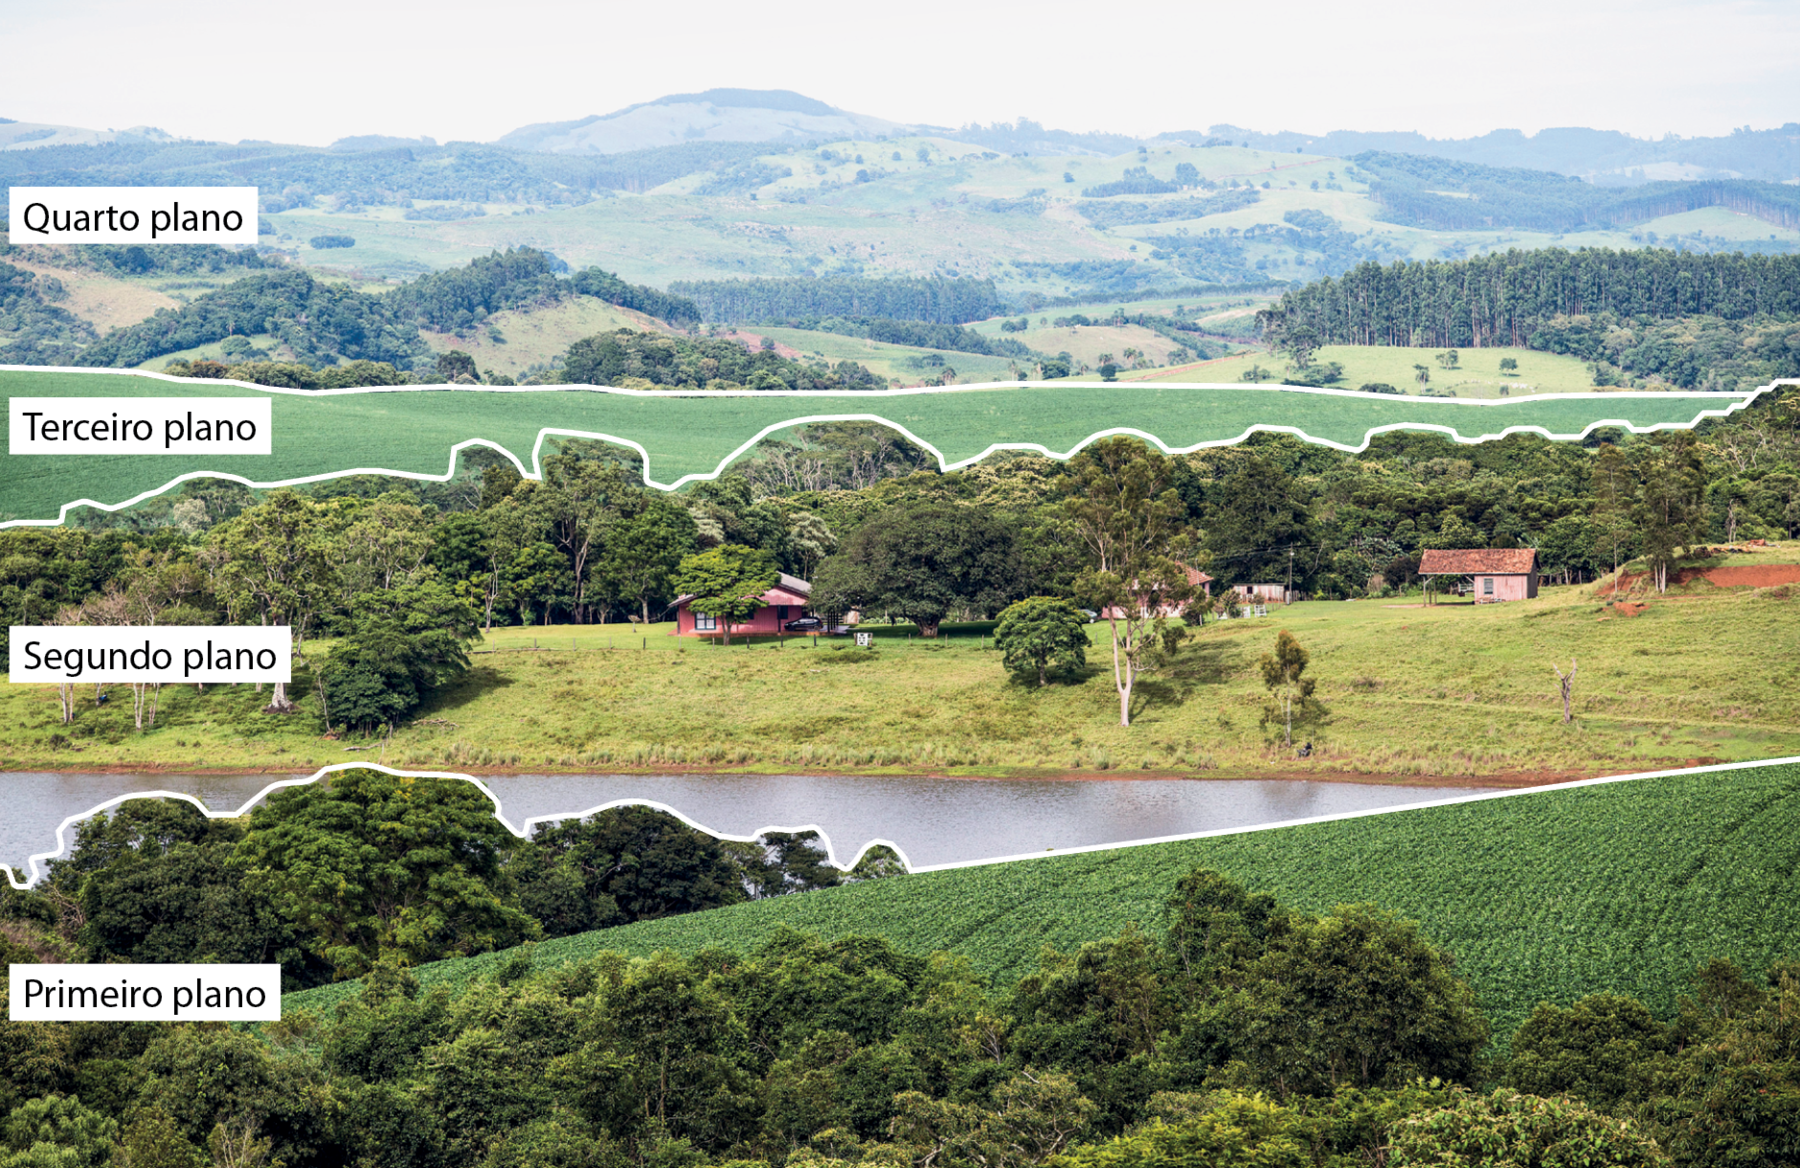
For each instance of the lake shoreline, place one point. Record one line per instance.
(1507, 779)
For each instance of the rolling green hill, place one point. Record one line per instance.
(413, 431)
(1622, 886)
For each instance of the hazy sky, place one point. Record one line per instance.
(457, 69)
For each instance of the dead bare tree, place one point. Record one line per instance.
(1567, 683)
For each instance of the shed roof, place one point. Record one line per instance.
(1478, 562)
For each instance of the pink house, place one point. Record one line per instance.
(1198, 580)
(1499, 573)
(785, 602)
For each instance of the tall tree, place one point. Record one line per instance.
(1289, 690)
(371, 864)
(923, 561)
(727, 582)
(272, 562)
(1120, 498)
(583, 492)
(1669, 509)
(1614, 485)
(643, 552)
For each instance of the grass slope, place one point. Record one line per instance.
(1415, 694)
(320, 434)
(1541, 896)
(1477, 374)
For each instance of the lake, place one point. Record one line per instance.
(932, 820)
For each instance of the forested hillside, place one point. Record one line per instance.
(1423, 191)
(291, 176)
(1690, 320)
(318, 323)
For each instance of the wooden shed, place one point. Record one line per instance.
(1264, 593)
(1497, 573)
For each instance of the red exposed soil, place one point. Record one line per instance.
(755, 340)
(1740, 576)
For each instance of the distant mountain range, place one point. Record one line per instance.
(717, 116)
(1605, 157)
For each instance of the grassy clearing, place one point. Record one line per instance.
(906, 363)
(106, 302)
(535, 337)
(413, 431)
(1089, 342)
(1541, 896)
(1477, 374)
(1413, 693)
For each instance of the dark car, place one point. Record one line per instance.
(805, 624)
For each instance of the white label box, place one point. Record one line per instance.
(53, 654)
(139, 425)
(132, 215)
(145, 993)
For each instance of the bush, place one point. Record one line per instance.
(1039, 632)
(325, 242)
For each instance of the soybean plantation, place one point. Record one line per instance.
(1624, 886)
(413, 431)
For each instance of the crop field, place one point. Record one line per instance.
(1477, 373)
(413, 431)
(1541, 896)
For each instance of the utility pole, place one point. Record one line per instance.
(1288, 596)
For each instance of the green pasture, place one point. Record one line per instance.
(1622, 887)
(1477, 374)
(1413, 694)
(413, 431)
(531, 337)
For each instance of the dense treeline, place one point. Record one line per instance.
(155, 881)
(1239, 1031)
(318, 321)
(921, 334)
(1505, 298)
(171, 259)
(1410, 189)
(639, 360)
(938, 300)
(458, 299)
(676, 310)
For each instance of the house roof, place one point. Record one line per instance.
(1478, 562)
(788, 590)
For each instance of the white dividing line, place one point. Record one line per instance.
(1735, 402)
(524, 830)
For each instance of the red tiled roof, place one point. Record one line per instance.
(1478, 562)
